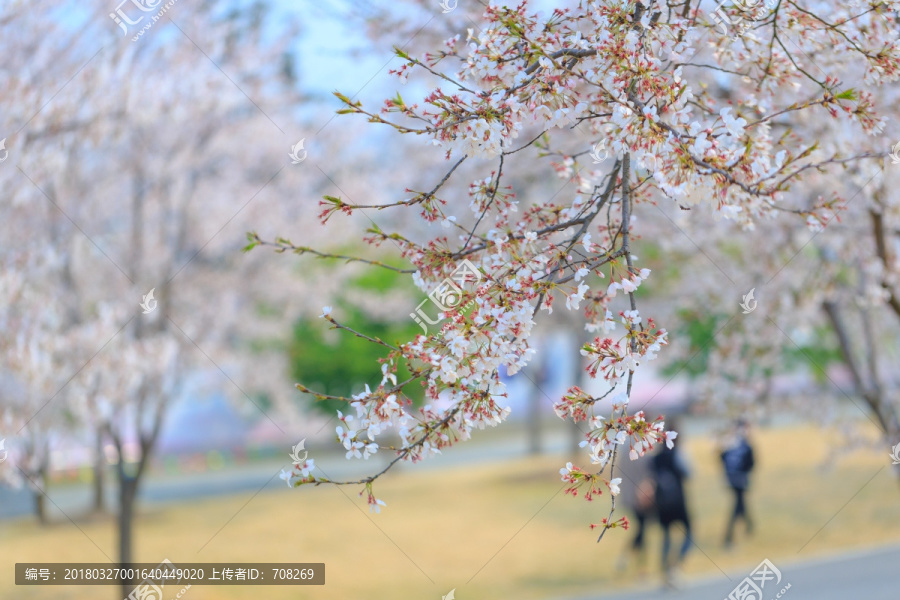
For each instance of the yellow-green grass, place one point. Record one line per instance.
(491, 531)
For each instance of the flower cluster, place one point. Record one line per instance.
(594, 483)
(613, 359)
(633, 431)
(299, 473)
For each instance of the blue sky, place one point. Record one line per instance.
(332, 54)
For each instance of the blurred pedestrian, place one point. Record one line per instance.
(643, 507)
(670, 469)
(640, 501)
(737, 457)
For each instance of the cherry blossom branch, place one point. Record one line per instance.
(283, 245)
(338, 325)
(396, 389)
(403, 453)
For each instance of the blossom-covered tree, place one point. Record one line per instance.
(824, 309)
(32, 351)
(634, 103)
(121, 174)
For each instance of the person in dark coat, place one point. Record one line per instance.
(669, 473)
(639, 499)
(738, 461)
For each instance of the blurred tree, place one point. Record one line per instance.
(122, 171)
(696, 331)
(340, 363)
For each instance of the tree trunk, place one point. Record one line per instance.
(40, 485)
(99, 473)
(867, 385)
(40, 507)
(534, 421)
(127, 495)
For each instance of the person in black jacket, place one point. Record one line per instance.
(738, 462)
(669, 472)
(640, 500)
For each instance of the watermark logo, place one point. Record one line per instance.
(3, 148)
(895, 154)
(302, 465)
(124, 21)
(298, 154)
(295, 453)
(750, 11)
(448, 294)
(148, 590)
(751, 588)
(721, 18)
(148, 303)
(895, 453)
(599, 153)
(748, 303)
(448, 5)
(4, 453)
(450, 596)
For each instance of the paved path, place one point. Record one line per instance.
(75, 499)
(862, 575)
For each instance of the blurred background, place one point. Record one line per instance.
(155, 427)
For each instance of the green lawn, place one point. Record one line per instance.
(495, 531)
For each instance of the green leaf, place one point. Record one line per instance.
(847, 95)
(253, 238)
